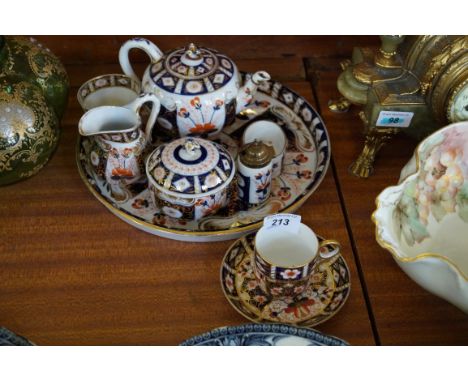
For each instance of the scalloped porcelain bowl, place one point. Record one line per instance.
(423, 221)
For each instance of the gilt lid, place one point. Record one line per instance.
(192, 70)
(256, 154)
(190, 167)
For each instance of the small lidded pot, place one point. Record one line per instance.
(254, 169)
(189, 177)
(271, 134)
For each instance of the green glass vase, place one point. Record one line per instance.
(33, 98)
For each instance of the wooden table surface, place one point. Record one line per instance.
(73, 274)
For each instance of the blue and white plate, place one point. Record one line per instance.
(263, 335)
(8, 338)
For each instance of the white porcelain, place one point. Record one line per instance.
(200, 89)
(189, 177)
(273, 135)
(108, 90)
(119, 143)
(423, 221)
(283, 248)
(284, 260)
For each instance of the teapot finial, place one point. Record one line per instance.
(192, 48)
(192, 53)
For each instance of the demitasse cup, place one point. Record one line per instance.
(284, 261)
(108, 90)
(271, 134)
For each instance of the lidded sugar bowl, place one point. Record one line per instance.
(199, 88)
(189, 177)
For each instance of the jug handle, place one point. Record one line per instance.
(156, 106)
(146, 46)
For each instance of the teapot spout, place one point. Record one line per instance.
(246, 93)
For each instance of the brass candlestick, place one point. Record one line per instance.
(421, 79)
(363, 69)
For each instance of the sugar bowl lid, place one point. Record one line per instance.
(190, 167)
(192, 70)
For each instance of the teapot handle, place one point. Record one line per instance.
(146, 46)
(136, 105)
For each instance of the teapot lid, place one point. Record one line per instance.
(192, 70)
(190, 166)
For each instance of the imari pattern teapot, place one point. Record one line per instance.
(199, 89)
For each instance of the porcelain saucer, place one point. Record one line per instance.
(327, 293)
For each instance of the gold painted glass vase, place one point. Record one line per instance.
(33, 97)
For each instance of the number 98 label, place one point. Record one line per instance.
(394, 119)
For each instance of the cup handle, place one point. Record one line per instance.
(146, 46)
(136, 105)
(324, 249)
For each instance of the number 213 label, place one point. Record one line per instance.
(279, 222)
(287, 222)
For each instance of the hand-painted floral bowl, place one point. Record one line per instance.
(423, 221)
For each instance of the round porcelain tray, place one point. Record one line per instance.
(306, 162)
